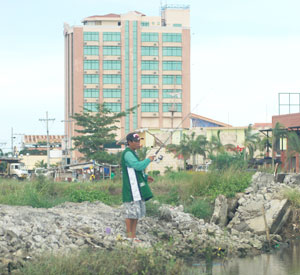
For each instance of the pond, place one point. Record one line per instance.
(283, 261)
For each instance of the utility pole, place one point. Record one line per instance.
(48, 143)
(12, 142)
(68, 138)
(173, 108)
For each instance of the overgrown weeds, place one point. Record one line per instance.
(196, 191)
(122, 260)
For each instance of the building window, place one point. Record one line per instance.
(91, 50)
(90, 107)
(149, 79)
(111, 79)
(111, 65)
(172, 65)
(111, 36)
(149, 37)
(149, 93)
(171, 93)
(91, 64)
(111, 50)
(145, 24)
(149, 107)
(91, 79)
(90, 36)
(113, 107)
(148, 65)
(168, 106)
(149, 51)
(172, 79)
(177, 25)
(111, 93)
(171, 37)
(91, 93)
(172, 51)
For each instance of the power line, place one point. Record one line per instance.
(48, 144)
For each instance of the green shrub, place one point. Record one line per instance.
(152, 208)
(200, 208)
(154, 173)
(293, 196)
(78, 195)
(223, 161)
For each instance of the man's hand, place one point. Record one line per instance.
(151, 157)
(150, 179)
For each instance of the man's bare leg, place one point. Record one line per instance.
(131, 227)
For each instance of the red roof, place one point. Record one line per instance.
(106, 15)
(140, 13)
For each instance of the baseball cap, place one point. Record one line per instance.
(133, 137)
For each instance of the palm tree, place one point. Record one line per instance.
(197, 146)
(142, 152)
(40, 164)
(182, 148)
(277, 132)
(251, 142)
(215, 144)
(293, 145)
(265, 144)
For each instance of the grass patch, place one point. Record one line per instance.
(123, 260)
(293, 196)
(196, 191)
(200, 208)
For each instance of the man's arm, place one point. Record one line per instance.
(132, 162)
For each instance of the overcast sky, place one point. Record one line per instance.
(243, 54)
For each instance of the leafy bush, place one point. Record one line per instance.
(200, 208)
(223, 161)
(78, 195)
(154, 173)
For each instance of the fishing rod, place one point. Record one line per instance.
(159, 158)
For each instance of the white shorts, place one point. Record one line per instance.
(134, 209)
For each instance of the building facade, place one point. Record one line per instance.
(125, 60)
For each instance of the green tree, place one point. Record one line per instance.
(293, 145)
(198, 146)
(95, 131)
(215, 145)
(190, 145)
(278, 132)
(183, 148)
(251, 142)
(142, 152)
(40, 164)
(265, 144)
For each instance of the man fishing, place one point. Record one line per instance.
(135, 190)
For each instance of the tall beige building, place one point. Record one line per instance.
(124, 60)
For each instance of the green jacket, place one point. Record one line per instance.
(135, 185)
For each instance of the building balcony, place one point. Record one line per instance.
(150, 44)
(91, 43)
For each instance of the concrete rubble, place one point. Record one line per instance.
(26, 231)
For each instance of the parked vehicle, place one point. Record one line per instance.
(13, 168)
(43, 172)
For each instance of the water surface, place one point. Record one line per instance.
(284, 261)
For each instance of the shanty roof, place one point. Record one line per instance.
(32, 139)
(105, 15)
